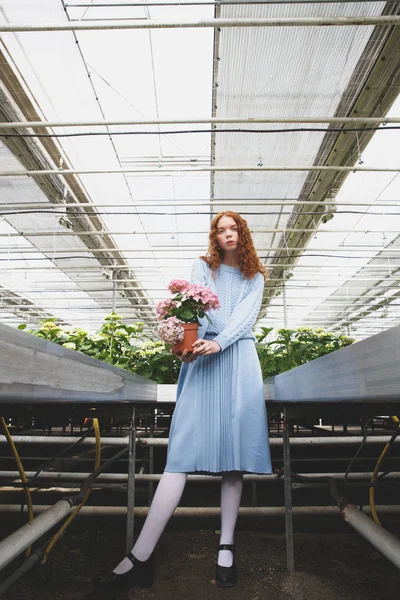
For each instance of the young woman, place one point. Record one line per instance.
(219, 425)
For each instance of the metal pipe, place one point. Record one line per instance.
(24, 568)
(130, 517)
(287, 484)
(285, 304)
(375, 323)
(379, 537)
(198, 248)
(213, 169)
(127, 305)
(320, 319)
(204, 512)
(114, 291)
(151, 462)
(218, 3)
(50, 209)
(63, 290)
(17, 542)
(163, 442)
(64, 486)
(206, 121)
(204, 23)
(80, 269)
(159, 232)
(142, 287)
(277, 301)
(357, 330)
(207, 202)
(154, 477)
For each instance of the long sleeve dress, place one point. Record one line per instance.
(220, 420)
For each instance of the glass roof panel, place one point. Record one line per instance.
(169, 74)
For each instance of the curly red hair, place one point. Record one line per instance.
(249, 262)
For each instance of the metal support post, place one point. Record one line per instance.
(151, 460)
(130, 523)
(285, 308)
(114, 294)
(254, 493)
(288, 495)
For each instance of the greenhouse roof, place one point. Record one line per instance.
(206, 114)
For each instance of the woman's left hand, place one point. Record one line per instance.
(202, 347)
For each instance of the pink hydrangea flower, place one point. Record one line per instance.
(204, 295)
(178, 285)
(170, 330)
(164, 307)
(197, 298)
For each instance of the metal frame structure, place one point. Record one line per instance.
(57, 224)
(211, 23)
(363, 375)
(286, 236)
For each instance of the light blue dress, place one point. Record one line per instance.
(220, 419)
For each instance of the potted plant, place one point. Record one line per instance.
(179, 316)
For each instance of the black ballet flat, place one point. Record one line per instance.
(226, 576)
(141, 575)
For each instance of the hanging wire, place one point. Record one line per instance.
(195, 131)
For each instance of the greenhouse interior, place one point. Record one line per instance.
(125, 129)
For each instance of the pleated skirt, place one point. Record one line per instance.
(220, 419)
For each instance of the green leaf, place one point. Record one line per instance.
(187, 313)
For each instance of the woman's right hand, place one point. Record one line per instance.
(185, 356)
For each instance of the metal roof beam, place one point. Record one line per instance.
(156, 203)
(76, 268)
(204, 23)
(211, 120)
(15, 103)
(370, 92)
(193, 248)
(213, 169)
(211, 3)
(254, 230)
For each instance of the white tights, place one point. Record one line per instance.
(166, 499)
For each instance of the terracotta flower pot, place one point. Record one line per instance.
(191, 334)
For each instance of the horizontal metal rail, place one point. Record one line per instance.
(123, 303)
(163, 442)
(205, 23)
(213, 169)
(154, 477)
(206, 202)
(333, 280)
(219, 3)
(254, 230)
(151, 327)
(103, 290)
(173, 267)
(198, 248)
(205, 121)
(205, 512)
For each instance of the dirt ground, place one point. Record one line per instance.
(337, 564)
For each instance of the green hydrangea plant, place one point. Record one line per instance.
(128, 347)
(117, 343)
(294, 347)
